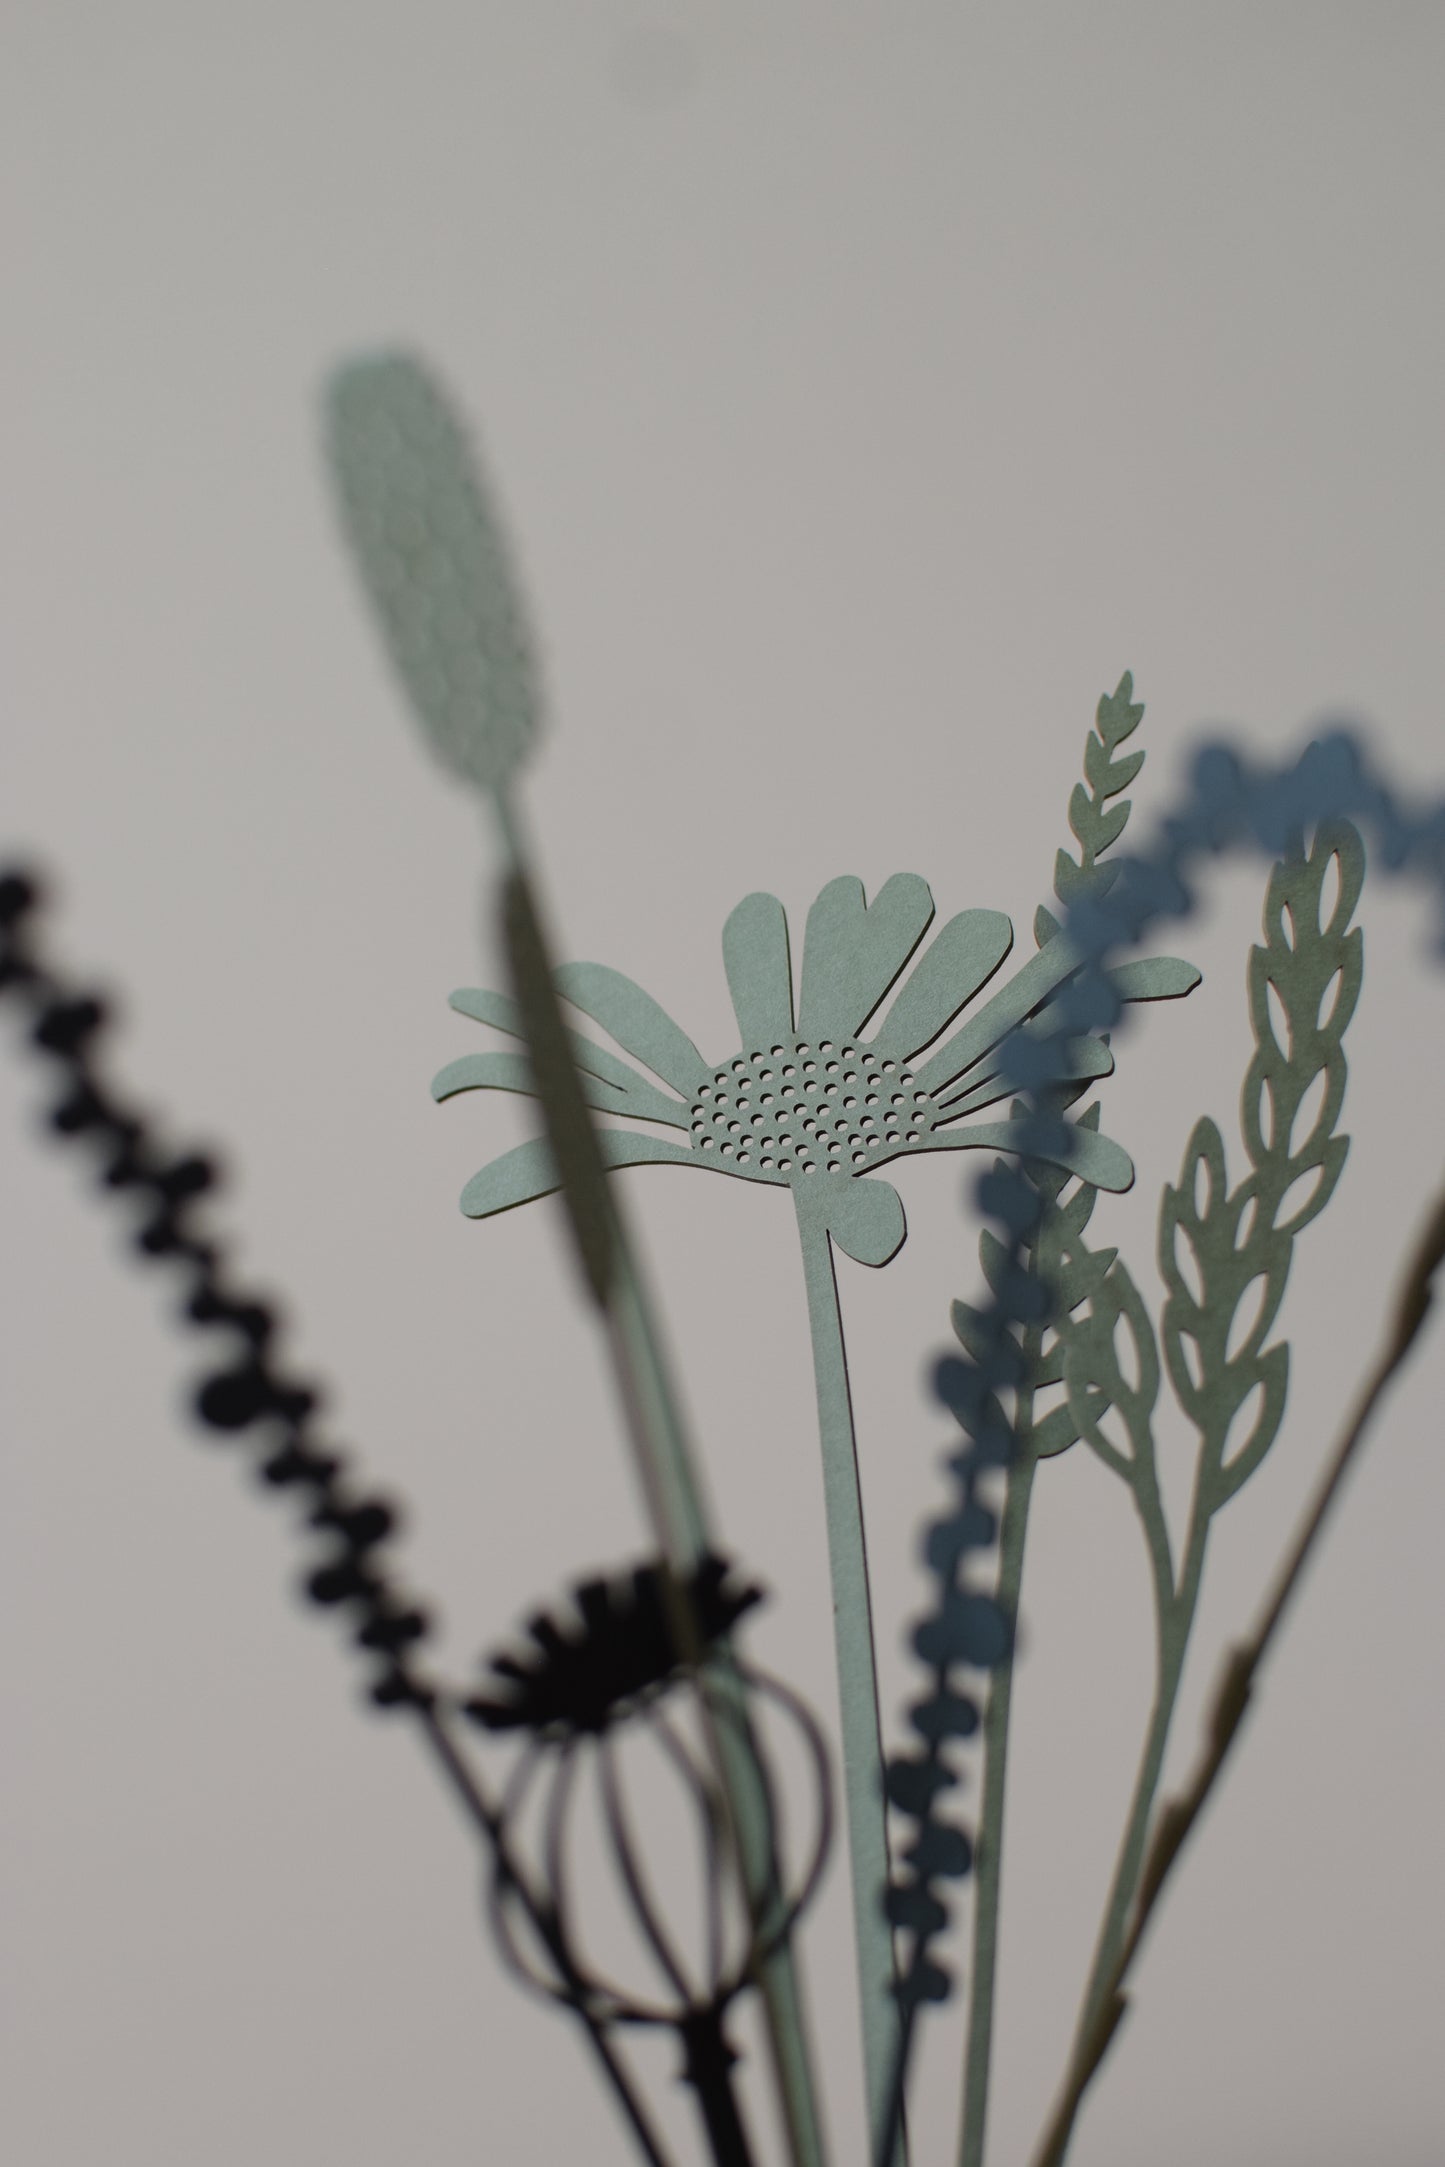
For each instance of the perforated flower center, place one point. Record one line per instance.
(798, 1109)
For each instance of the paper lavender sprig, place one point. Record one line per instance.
(1231, 804)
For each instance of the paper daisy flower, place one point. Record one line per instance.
(872, 1064)
(820, 1096)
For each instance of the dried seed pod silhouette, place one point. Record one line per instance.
(585, 1688)
(818, 1099)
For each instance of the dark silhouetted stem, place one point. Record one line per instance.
(488, 1824)
(709, 2070)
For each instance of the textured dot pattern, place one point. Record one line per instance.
(431, 551)
(790, 1111)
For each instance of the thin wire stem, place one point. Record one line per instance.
(625, 1853)
(487, 1821)
(1234, 1691)
(714, 1832)
(40, 989)
(867, 1817)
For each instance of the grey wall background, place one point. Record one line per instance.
(868, 387)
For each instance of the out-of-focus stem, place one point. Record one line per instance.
(676, 1504)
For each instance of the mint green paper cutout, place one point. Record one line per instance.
(1082, 1060)
(1216, 1245)
(635, 1020)
(498, 1009)
(760, 972)
(1023, 994)
(438, 573)
(853, 951)
(864, 1218)
(529, 1170)
(819, 1116)
(1045, 1425)
(1097, 823)
(435, 562)
(514, 1072)
(1029, 990)
(1095, 1159)
(784, 1108)
(958, 963)
(1153, 978)
(854, 1650)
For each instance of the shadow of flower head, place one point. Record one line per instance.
(821, 1094)
(578, 1674)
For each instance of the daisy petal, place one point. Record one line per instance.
(1154, 978)
(853, 951)
(530, 1170)
(760, 973)
(499, 1010)
(1094, 1158)
(635, 1020)
(510, 1072)
(1027, 990)
(864, 1216)
(513, 1072)
(954, 967)
(1082, 1060)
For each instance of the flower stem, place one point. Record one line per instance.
(1232, 1695)
(1176, 1618)
(857, 1676)
(988, 1855)
(672, 1487)
(654, 1417)
(708, 2067)
(488, 1821)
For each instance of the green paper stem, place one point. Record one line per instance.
(1215, 1244)
(1064, 1257)
(867, 1814)
(988, 1851)
(647, 1392)
(1175, 1621)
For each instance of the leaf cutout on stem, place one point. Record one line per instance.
(1224, 1255)
(1096, 1380)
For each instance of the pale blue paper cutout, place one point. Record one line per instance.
(828, 1109)
(434, 558)
(1231, 804)
(811, 1104)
